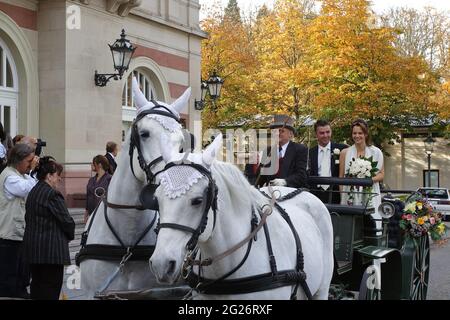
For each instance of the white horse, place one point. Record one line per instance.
(182, 198)
(129, 224)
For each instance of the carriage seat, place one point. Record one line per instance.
(348, 210)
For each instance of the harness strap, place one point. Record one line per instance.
(260, 282)
(105, 213)
(176, 226)
(300, 262)
(112, 253)
(85, 234)
(141, 236)
(272, 261)
(124, 206)
(247, 253)
(209, 261)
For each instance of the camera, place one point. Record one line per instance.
(39, 144)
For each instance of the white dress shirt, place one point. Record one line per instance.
(325, 153)
(16, 186)
(282, 152)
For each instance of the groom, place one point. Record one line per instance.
(324, 161)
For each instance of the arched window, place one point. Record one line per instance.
(146, 85)
(128, 107)
(8, 90)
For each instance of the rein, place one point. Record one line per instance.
(267, 211)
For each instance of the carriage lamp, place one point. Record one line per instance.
(122, 51)
(429, 144)
(213, 86)
(200, 104)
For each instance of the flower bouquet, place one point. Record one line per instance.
(361, 167)
(419, 218)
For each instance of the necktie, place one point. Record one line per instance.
(280, 161)
(325, 166)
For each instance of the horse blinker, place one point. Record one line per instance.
(147, 197)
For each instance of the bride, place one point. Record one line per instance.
(361, 148)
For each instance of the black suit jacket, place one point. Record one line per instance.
(112, 163)
(48, 226)
(314, 170)
(293, 167)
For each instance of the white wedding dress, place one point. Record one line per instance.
(371, 151)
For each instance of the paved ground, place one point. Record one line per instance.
(439, 282)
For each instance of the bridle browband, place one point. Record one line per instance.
(211, 203)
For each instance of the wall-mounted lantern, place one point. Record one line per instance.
(122, 51)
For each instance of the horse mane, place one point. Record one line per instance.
(238, 188)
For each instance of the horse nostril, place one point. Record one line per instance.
(171, 267)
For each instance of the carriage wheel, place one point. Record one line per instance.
(421, 269)
(369, 288)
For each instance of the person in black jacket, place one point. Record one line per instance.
(111, 153)
(291, 157)
(324, 161)
(48, 230)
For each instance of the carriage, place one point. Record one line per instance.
(378, 263)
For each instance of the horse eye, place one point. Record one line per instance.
(196, 201)
(145, 134)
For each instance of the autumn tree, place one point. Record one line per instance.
(283, 55)
(228, 51)
(360, 73)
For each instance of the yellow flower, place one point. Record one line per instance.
(420, 221)
(425, 218)
(441, 228)
(411, 207)
(419, 205)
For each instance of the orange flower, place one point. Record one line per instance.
(420, 221)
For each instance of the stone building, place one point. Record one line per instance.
(50, 49)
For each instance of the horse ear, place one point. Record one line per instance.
(139, 97)
(183, 100)
(212, 150)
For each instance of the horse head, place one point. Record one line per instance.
(186, 195)
(141, 153)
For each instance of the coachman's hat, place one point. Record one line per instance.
(282, 121)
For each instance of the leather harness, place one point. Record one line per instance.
(261, 282)
(122, 252)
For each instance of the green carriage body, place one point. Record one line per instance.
(360, 248)
(357, 244)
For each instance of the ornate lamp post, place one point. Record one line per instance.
(213, 86)
(429, 144)
(122, 51)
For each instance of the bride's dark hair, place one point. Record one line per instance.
(364, 127)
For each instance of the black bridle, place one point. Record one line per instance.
(210, 203)
(135, 139)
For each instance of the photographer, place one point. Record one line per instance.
(15, 184)
(35, 143)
